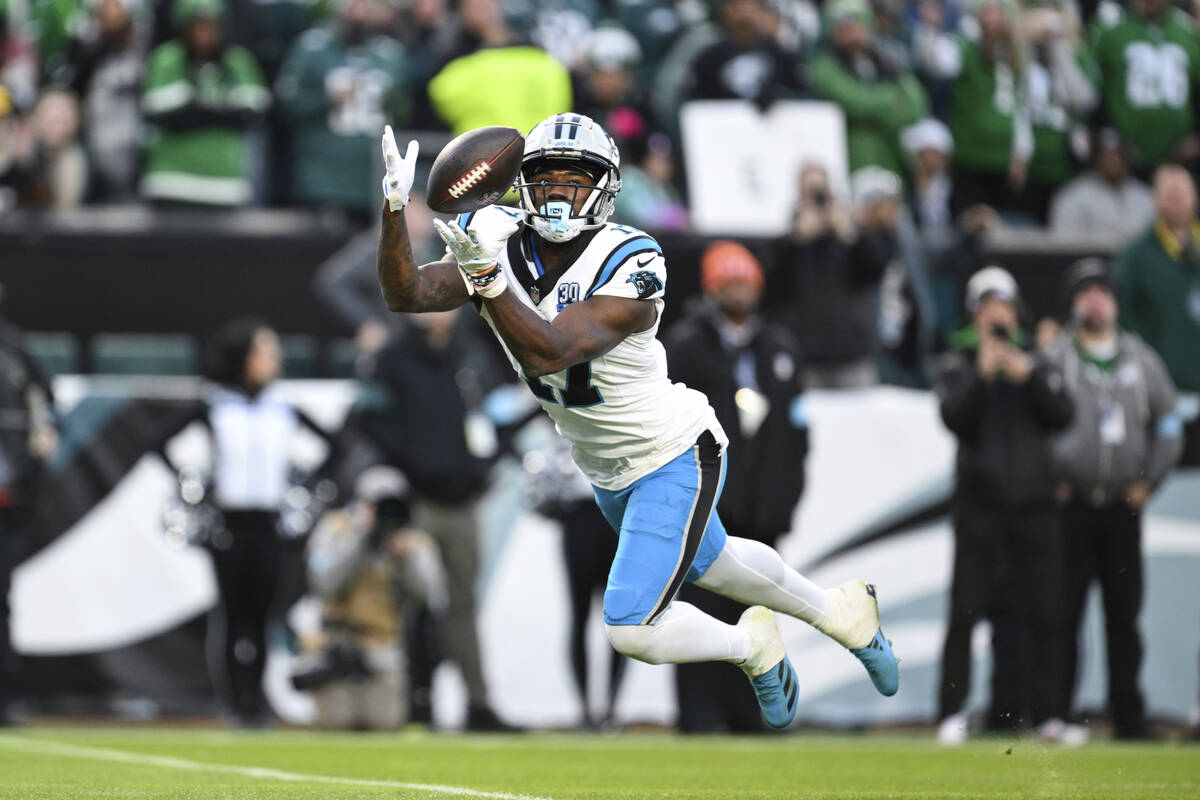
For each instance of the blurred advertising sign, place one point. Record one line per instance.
(743, 164)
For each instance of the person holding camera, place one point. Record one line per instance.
(1003, 403)
(825, 285)
(1124, 440)
(370, 567)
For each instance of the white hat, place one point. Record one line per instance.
(928, 134)
(995, 281)
(612, 48)
(869, 184)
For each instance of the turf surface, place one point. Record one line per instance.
(59, 763)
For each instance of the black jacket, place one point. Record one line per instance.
(765, 472)
(825, 292)
(423, 397)
(1004, 431)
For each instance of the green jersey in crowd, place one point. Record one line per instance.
(337, 97)
(1160, 299)
(987, 111)
(876, 110)
(199, 110)
(1149, 75)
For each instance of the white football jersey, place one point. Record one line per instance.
(621, 413)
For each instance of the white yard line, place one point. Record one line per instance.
(46, 747)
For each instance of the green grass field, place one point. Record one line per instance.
(61, 763)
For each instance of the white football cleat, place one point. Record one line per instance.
(1056, 731)
(953, 730)
(852, 621)
(775, 682)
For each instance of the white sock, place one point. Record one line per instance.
(681, 635)
(754, 574)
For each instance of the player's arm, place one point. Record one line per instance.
(406, 287)
(581, 332)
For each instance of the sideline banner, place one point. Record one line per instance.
(880, 469)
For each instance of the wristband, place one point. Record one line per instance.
(491, 283)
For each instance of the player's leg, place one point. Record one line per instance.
(754, 573)
(669, 533)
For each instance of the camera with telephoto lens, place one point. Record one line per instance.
(1000, 331)
(340, 662)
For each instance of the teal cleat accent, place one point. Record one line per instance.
(881, 663)
(777, 691)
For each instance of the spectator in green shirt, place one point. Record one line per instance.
(879, 97)
(201, 96)
(1159, 275)
(1149, 61)
(989, 117)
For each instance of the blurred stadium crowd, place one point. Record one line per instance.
(960, 120)
(1032, 110)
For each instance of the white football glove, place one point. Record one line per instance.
(398, 181)
(476, 251)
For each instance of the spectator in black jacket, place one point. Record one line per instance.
(1002, 402)
(430, 381)
(750, 370)
(826, 283)
(746, 63)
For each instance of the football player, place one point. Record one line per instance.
(576, 302)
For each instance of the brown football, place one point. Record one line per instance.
(475, 169)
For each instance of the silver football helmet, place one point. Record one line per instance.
(579, 141)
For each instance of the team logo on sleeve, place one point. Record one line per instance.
(646, 283)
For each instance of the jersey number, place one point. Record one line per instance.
(1156, 75)
(579, 391)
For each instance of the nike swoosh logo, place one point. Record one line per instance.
(647, 261)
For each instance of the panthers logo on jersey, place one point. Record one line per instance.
(646, 283)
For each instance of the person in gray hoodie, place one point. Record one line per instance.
(1123, 440)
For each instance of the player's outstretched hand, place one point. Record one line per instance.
(476, 250)
(398, 181)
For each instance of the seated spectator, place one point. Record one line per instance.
(104, 65)
(1159, 275)
(877, 96)
(648, 197)
(993, 141)
(340, 85)
(1149, 59)
(1059, 94)
(371, 569)
(824, 288)
(494, 79)
(1106, 200)
(746, 62)
(59, 168)
(929, 147)
(201, 96)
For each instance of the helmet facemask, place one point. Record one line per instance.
(551, 207)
